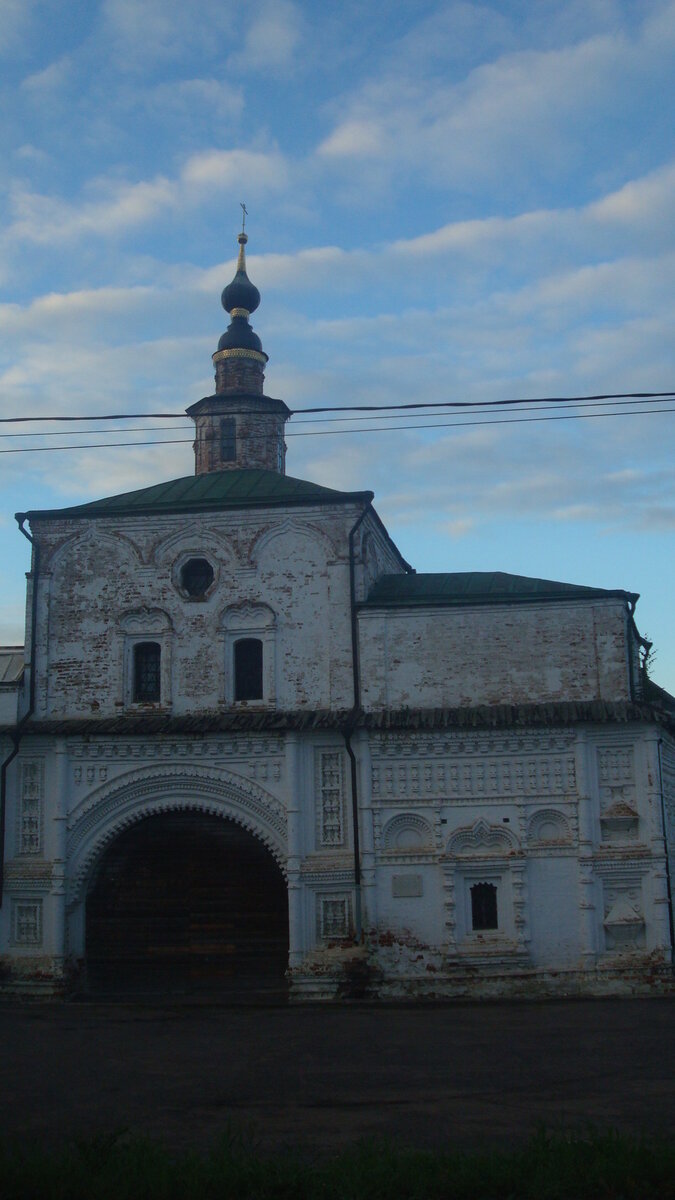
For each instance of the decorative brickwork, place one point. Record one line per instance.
(31, 808)
(255, 441)
(235, 376)
(330, 804)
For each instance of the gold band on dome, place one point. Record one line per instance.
(239, 353)
(240, 312)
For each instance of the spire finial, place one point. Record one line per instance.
(242, 239)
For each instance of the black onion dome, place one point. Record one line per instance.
(241, 293)
(239, 335)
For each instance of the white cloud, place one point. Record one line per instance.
(117, 207)
(141, 32)
(355, 138)
(224, 168)
(529, 113)
(458, 528)
(645, 201)
(15, 17)
(50, 78)
(52, 312)
(194, 97)
(271, 38)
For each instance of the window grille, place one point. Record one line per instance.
(147, 679)
(228, 439)
(27, 923)
(335, 917)
(331, 798)
(248, 669)
(484, 906)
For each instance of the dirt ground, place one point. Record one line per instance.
(316, 1078)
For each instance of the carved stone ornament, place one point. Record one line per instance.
(482, 838)
(549, 827)
(468, 770)
(247, 616)
(407, 833)
(147, 792)
(145, 621)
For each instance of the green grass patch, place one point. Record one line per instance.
(551, 1166)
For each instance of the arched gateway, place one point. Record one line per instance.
(180, 887)
(184, 901)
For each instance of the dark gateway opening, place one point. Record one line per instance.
(187, 902)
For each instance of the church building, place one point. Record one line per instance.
(248, 749)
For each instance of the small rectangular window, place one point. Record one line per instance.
(334, 917)
(484, 906)
(27, 922)
(248, 669)
(147, 679)
(228, 439)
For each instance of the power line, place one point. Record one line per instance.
(340, 432)
(85, 432)
(366, 407)
(485, 403)
(394, 416)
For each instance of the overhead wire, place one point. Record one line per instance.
(490, 408)
(343, 432)
(362, 407)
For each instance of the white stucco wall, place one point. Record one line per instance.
(501, 654)
(581, 899)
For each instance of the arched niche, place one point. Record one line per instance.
(94, 551)
(294, 543)
(407, 833)
(549, 827)
(195, 540)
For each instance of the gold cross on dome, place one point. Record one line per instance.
(244, 214)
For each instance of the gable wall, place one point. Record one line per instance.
(99, 575)
(500, 654)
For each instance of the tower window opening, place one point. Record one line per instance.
(484, 906)
(248, 669)
(147, 656)
(228, 439)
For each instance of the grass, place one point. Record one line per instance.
(551, 1166)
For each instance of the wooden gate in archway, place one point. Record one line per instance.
(187, 902)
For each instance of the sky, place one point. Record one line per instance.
(447, 201)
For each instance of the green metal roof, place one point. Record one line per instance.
(201, 493)
(477, 587)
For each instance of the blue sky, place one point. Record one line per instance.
(447, 201)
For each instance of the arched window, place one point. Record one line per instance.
(484, 906)
(147, 677)
(248, 669)
(228, 439)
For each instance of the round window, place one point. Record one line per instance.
(196, 577)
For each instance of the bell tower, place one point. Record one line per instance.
(239, 427)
